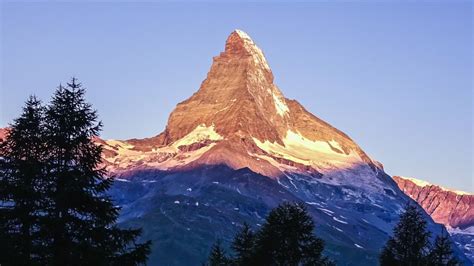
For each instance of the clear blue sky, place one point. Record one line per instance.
(396, 77)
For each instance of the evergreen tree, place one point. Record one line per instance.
(387, 256)
(243, 246)
(22, 166)
(217, 256)
(287, 238)
(81, 218)
(442, 254)
(410, 242)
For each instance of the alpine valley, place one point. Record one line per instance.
(236, 149)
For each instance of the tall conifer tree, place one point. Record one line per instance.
(442, 254)
(217, 257)
(287, 238)
(81, 216)
(22, 166)
(243, 246)
(410, 242)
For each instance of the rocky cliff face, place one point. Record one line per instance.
(455, 209)
(3, 133)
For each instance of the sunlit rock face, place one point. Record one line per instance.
(3, 133)
(453, 208)
(240, 118)
(449, 207)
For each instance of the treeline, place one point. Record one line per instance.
(54, 209)
(286, 238)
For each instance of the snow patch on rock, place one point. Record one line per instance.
(339, 220)
(162, 157)
(200, 133)
(300, 149)
(280, 105)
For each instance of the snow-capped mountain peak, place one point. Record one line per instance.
(240, 118)
(239, 43)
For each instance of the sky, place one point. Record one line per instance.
(397, 77)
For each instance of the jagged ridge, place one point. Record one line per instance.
(454, 209)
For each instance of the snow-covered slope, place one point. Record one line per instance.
(123, 156)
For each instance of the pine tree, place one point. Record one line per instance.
(410, 242)
(22, 166)
(81, 217)
(217, 256)
(387, 256)
(287, 238)
(243, 246)
(442, 254)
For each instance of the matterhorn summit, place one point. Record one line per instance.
(240, 118)
(237, 148)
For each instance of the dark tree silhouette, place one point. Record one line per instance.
(410, 242)
(287, 238)
(81, 221)
(217, 257)
(54, 209)
(387, 256)
(22, 167)
(442, 254)
(243, 245)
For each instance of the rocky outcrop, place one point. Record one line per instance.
(3, 133)
(454, 209)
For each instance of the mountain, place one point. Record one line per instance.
(454, 209)
(240, 118)
(449, 207)
(236, 149)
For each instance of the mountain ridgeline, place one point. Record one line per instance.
(238, 148)
(454, 209)
(235, 150)
(240, 118)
